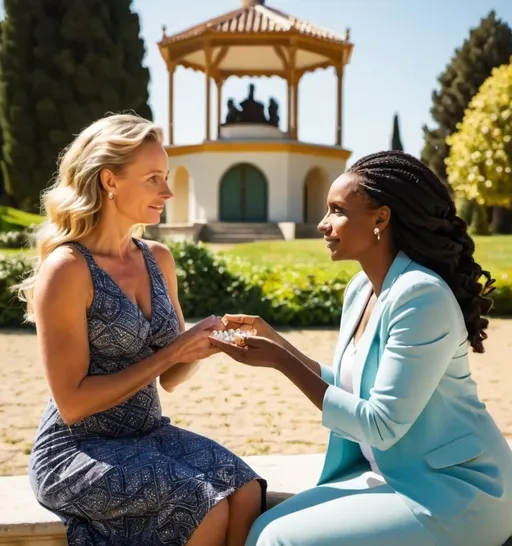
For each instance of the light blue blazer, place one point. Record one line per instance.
(417, 406)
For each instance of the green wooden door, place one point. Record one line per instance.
(243, 195)
(255, 195)
(231, 196)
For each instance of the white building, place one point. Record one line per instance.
(253, 180)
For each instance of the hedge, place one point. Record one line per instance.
(212, 283)
(12, 269)
(15, 239)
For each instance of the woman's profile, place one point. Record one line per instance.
(109, 324)
(414, 458)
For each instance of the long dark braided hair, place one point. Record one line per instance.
(426, 227)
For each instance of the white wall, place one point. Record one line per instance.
(299, 166)
(285, 173)
(207, 170)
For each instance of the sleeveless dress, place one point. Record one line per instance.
(127, 476)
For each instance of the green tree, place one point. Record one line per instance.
(479, 165)
(396, 141)
(134, 76)
(2, 185)
(488, 46)
(15, 98)
(65, 63)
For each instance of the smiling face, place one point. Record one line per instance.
(141, 189)
(351, 219)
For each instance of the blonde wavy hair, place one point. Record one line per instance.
(73, 202)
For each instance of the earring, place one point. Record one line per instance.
(376, 232)
(110, 195)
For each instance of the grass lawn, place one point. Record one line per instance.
(494, 253)
(14, 220)
(15, 251)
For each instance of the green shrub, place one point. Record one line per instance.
(207, 286)
(12, 269)
(14, 239)
(210, 283)
(502, 298)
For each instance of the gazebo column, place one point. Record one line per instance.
(172, 70)
(293, 93)
(208, 83)
(339, 112)
(295, 135)
(290, 106)
(219, 83)
(208, 107)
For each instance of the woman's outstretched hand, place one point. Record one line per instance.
(259, 351)
(252, 322)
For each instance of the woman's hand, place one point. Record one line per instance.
(194, 344)
(259, 351)
(264, 330)
(252, 322)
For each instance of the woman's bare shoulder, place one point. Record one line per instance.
(162, 254)
(64, 270)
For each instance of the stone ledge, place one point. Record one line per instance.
(24, 521)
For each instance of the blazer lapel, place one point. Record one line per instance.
(350, 320)
(398, 266)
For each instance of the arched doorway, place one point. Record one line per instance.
(315, 195)
(243, 195)
(180, 201)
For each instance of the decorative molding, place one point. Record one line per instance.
(290, 147)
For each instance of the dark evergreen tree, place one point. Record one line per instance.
(396, 141)
(65, 63)
(489, 45)
(134, 81)
(2, 186)
(16, 109)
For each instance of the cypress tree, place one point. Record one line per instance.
(396, 141)
(489, 45)
(2, 186)
(16, 106)
(134, 77)
(65, 63)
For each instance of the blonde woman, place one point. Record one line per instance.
(109, 324)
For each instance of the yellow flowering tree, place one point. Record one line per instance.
(479, 165)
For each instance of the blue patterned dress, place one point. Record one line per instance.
(127, 476)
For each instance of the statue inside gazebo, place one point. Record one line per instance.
(252, 111)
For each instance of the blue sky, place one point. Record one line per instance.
(400, 47)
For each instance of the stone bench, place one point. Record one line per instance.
(24, 522)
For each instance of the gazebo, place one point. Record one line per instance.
(248, 172)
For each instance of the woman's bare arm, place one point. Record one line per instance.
(313, 365)
(62, 293)
(179, 373)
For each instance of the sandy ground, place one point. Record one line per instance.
(251, 411)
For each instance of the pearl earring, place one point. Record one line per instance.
(376, 232)
(110, 195)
